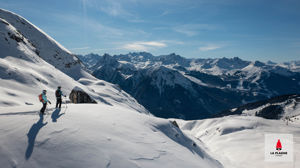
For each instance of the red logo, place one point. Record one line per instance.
(278, 145)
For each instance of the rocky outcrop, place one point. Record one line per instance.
(77, 95)
(271, 112)
(174, 123)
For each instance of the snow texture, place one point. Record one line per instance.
(86, 135)
(238, 141)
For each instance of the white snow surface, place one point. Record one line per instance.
(238, 141)
(95, 135)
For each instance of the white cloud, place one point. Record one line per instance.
(193, 29)
(173, 42)
(186, 31)
(154, 44)
(137, 20)
(144, 45)
(80, 48)
(166, 12)
(107, 49)
(114, 8)
(135, 47)
(210, 47)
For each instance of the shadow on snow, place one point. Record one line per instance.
(55, 115)
(31, 135)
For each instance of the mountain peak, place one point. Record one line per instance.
(271, 62)
(173, 55)
(259, 64)
(106, 56)
(46, 47)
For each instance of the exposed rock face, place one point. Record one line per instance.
(79, 96)
(174, 123)
(271, 112)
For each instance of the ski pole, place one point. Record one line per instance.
(66, 104)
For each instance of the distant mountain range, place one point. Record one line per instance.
(174, 86)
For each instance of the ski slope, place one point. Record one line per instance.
(95, 135)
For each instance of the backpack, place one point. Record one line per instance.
(57, 93)
(41, 97)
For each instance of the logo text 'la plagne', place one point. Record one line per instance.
(278, 151)
(279, 147)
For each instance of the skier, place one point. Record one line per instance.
(44, 100)
(58, 95)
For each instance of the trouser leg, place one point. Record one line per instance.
(43, 108)
(60, 103)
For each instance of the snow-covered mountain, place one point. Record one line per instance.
(214, 66)
(239, 141)
(89, 60)
(279, 107)
(31, 61)
(173, 86)
(293, 65)
(44, 46)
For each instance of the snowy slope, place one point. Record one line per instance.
(238, 141)
(167, 77)
(45, 46)
(279, 107)
(95, 136)
(25, 73)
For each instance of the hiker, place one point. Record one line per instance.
(58, 95)
(44, 100)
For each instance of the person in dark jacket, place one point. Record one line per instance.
(58, 95)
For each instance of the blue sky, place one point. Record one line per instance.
(250, 29)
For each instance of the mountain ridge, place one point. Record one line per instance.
(32, 61)
(228, 82)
